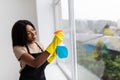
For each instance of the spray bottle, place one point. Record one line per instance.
(61, 49)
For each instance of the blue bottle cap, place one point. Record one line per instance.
(62, 51)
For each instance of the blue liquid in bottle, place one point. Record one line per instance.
(62, 51)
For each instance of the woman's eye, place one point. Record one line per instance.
(32, 29)
(28, 33)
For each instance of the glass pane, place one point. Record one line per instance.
(98, 39)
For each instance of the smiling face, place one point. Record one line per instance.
(31, 34)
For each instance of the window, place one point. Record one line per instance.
(97, 39)
(62, 21)
(95, 43)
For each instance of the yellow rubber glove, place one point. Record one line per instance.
(59, 34)
(52, 57)
(58, 38)
(94, 54)
(108, 32)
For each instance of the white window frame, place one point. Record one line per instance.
(57, 17)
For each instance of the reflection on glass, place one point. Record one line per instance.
(101, 57)
(98, 39)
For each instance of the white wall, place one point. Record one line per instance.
(45, 20)
(11, 11)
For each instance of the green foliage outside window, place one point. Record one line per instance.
(106, 66)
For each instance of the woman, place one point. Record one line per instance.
(31, 54)
(108, 31)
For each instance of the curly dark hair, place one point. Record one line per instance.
(19, 33)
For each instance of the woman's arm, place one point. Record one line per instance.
(34, 62)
